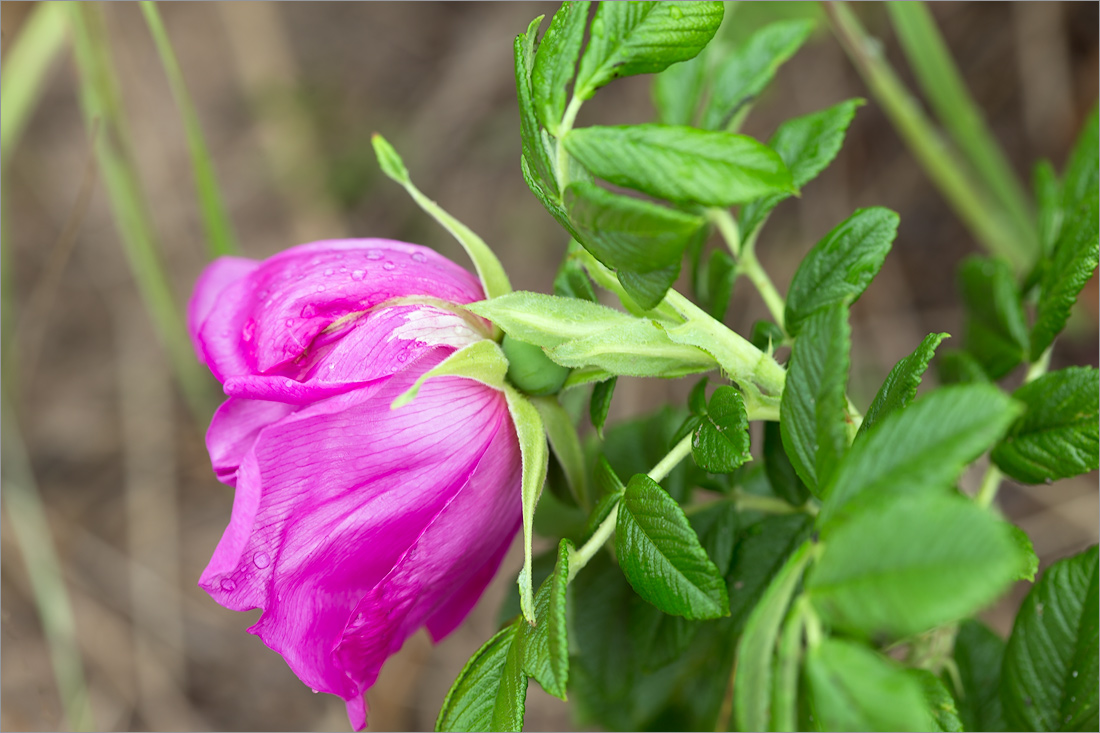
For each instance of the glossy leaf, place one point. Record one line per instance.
(661, 556)
(598, 407)
(939, 701)
(1057, 437)
(900, 386)
(783, 478)
(556, 62)
(546, 645)
(978, 654)
(511, 700)
(721, 442)
(760, 552)
(647, 289)
(996, 326)
(469, 704)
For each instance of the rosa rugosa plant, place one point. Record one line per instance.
(353, 524)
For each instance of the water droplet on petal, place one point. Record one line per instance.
(262, 560)
(403, 357)
(373, 254)
(387, 265)
(419, 257)
(228, 584)
(329, 271)
(343, 268)
(249, 329)
(357, 274)
(314, 691)
(289, 322)
(320, 288)
(309, 311)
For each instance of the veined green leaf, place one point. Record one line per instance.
(813, 409)
(470, 702)
(1049, 677)
(681, 164)
(939, 701)
(536, 162)
(546, 644)
(556, 62)
(908, 565)
(921, 448)
(647, 289)
(678, 90)
(721, 442)
(743, 75)
(549, 320)
(535, 456)
(978, 655)
(643, 38)
(1057, 437)
(511, 700)
(1082, 171)
(628, 233)
(841, 266)
(762, 549)
(900, 386)
(807, 145)
(602, 392)
(783, 478)
(855, 688)
(996, 326)
(661, 556)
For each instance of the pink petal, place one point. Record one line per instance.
(233, 431)
(270, 317)
(213, 281)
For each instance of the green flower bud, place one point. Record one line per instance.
(530, 369)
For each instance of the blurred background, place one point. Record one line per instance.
(288, 95)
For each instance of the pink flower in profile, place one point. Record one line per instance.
(353, 525)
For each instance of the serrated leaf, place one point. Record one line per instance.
(752, 683)
(470, 702)
(744, 74)
(628, 233)
(807, 145)
(643, 38)
(721, 442)
(511, 700)
(783, 478)
(939, 701)
(661, 556)
(978, 654)
(855, 688)
(548, 320)
(996, 326)
(841, 266)
(813, 409)
(1025, 553)
(647, 289)
(908, 565)
(636, 349)
(546, 644)
(1082, 167)
(678, 90)
(600, 404)
(919, 449)
(681, 164)
(556, 62)
(1057, 437)
(535, 456)
(900, 386)
(538, 168)
(1049, 677)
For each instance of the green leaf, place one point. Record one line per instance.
(538, 168)
(469, 704)
(489, 270)
(661, 556)
(546, 644)
(631, 445)
(752, 683)
(1049, 679)
(565, 444)
(841, 266)
(697, 398)
(643, 38)
(813, 410)
(1057, 437)
(658, 638)
(900, 386)
(681, 164)
(481, 361)
(1048, 199)
(572, 281)
(717, 279)
(1075, 258)
(535, 457)
(855, 688)
(556, 62)
(721, 442)
(807, 145)
(678, 90)
(996, 327)
(1025, 552)
(908, 565)
(511, 699)
(549, 320)
(766, 336)
(743, 75)
(788, 662)
(1082, 167)
(636, 349)
(956, 366)
(718, 529)
(921, 448)
(648, 289)
(939, 701)
(598, 408)
(978, 655)
(783, 478)
(760, 552)
(627, 232)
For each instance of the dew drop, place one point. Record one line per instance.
(373, 254)
(309, 311)
(228, 584)
(289, 322)
(262, 560)
(402, 357)
(1075, 673)
(419, 257)
(314, 691)
(387, 265)
(329, 271)
(357, 274)
(675, 12)
(343, 268)
(320, 288)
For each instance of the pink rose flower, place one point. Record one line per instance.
(353, 525)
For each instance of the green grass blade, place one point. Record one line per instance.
(25, 67)
(943, 86)
(100, 100)
(220, 238)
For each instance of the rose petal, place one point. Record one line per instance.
(233, 431)
(218, 275)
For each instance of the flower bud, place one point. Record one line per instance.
(530, 369)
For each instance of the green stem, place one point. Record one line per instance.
(748, 265)
(941, 164)
(991, 481)
(567, 121)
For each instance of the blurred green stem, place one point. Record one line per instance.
(220, 239)
(100, 100)
(962, 192)
(945, 90)
(747, 264)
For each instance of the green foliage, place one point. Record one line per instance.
(760, 552)
(978, 654)
(470, 703)
(721, 442)
(1057, 437)
(783, 478)
(1049, 676)
(900, 385)
(600, 404)
(939, 701)
(546, 644)
(996, 326)
(556, 62)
